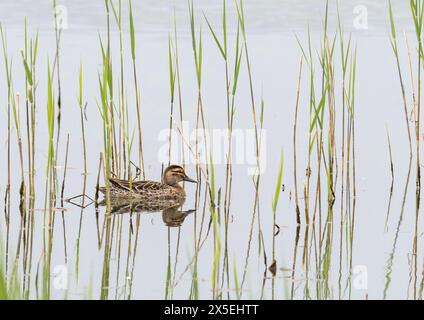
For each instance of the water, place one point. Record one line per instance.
(275, 55)
(268, 16)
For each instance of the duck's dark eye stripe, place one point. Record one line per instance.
(174, 168)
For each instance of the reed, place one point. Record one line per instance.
(275, 200)
(56, 66)
(347, 219)
(123, 162)
(17, 120)
(307, 54)
(178, 83)
(172, 62)
(326, 59)
(8, 66)
(230, 103)
(50, 189)
(108, 141)
(328, 115)
(62, 192)
(177, 251)
(236, 280)
(216, 232)
(172, 78)
(84, 173)
(137, 93)
(81, 110)
(257, 175)
(168, 268)
(296, 195)
(50, 127)
(9, 287)
(117, 149)
(105, 111)
(22, 195)
(417, 14)
(417, 11)
(394, 44)
(392, 173)
(112, 157)
(351, 155)
(197, 48)
(29, 59)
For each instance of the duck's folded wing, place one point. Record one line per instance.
(120, 184)
(146, 186)
(137, 186)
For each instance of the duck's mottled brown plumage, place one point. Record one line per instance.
(148, 190)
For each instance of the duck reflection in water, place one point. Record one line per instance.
(172, 213)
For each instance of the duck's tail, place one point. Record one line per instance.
(113, 182)
(102, 190)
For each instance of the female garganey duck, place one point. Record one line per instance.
(169, 190)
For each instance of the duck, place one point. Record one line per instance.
(168, 192)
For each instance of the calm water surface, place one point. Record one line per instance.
(384, 252)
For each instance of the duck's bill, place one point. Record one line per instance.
(189, 211)
(189, 179)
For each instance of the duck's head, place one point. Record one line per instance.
(175, 174)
